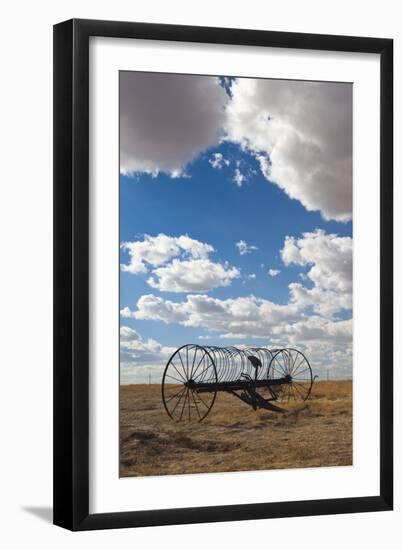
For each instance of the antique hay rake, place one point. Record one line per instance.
(273, 379)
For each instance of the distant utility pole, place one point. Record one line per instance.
(149, 378)
(328, 374)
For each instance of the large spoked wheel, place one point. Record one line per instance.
(292, 364)
(187, 367)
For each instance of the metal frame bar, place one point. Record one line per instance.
(238, 385)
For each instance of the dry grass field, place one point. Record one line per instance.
(234, 437)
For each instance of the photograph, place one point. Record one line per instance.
(236, 242)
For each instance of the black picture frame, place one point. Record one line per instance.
(71, 274)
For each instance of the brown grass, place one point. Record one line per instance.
(234, 437)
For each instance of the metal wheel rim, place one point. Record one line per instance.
(300, 392)
(186, 394)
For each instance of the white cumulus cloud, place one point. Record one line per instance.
(218, 161)
(166, 120)
(329, 255)
(156, 251)
(245, 317)
(192, 276)
(239, 178)
(273, 272)
(244, 248)
(136, 350)
(329, 258)
(177, 264)
(301, 134)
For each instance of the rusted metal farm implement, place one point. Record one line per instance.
(273, 379)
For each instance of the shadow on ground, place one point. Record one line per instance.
(45, 513)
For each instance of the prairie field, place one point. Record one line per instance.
(234, 437)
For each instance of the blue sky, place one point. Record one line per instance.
(221, 204)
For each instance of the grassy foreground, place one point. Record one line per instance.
(234, 437)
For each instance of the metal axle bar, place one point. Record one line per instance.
(236, 385)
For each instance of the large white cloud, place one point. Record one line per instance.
(329, 258)
(157, 309)
(248, 315)
(158, 250)
(301, 133)
(192, 276)
(329, 255)
(316, 329)
(135, 350)
(166, 120)
(245, 317)
(327, 303)
(178, 264)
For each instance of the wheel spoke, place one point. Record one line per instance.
(179, 400)
(173, 378)
(306, 369)
(303, 386)
(202, 400)
(197, 408)
(281, 370)
(204, 370)
(282, 364)
(184, 370)
(293, 392)
(173, 396)
(288, 364)
(184, 404)
(179, 374)
(301, 361)
(198, 364)
(288, 393)
(193, 364)
(299, 393)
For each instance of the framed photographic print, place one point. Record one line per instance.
(223, 322)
